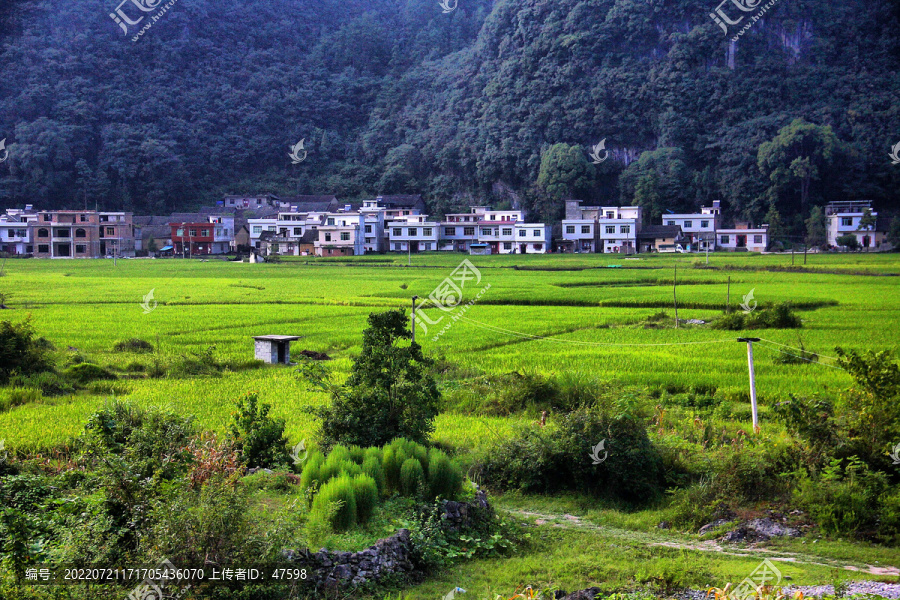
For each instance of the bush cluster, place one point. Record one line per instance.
(360, 477)
(780, 316)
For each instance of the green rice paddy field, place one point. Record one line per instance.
(585, 314)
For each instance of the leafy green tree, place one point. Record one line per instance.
(659, 180)
(893, 235)
(796, 157)
(565, 172)
(776, 227)
(20, 352)
(815, 227)
(390, 392)
(258, 437)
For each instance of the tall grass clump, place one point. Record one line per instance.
(365, 491)
(445, 478)
(412, 477)
(372, 467)
(392, 463)
(311, 476)
(340, 489)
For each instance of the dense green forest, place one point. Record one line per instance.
(479, 103)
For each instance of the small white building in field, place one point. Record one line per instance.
(743, 239)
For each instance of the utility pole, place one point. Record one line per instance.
(752, 381)
(675, 294)
(413, 324)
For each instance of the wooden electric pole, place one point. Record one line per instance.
(675, 294)
(752, 381)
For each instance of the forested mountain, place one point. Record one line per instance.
(399, 96)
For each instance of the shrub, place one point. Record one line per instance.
(357, 454)
(135, 367)
(19, 397)
(412, 477)
(310, 476)
(372, 467)
(844, 498)
(85, 373)
(365, 491)
(444, 477)
(559, 458)
(20, 352)
(133, 345)
(258, 437)
(390, 393)
(340, 489)
(780, 316)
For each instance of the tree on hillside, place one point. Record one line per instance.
(658, 181)
(565, 173)
(776, 227)
(795, 158)
(815, 227)
(893, 235)
(390, 393)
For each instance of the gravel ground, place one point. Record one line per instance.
(885, 590)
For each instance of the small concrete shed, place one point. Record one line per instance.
(274, 349)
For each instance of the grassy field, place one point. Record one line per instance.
(579, 314)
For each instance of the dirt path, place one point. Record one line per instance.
(567, 521)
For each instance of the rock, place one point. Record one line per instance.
(587, 594)
(313, 355)
(663, 525)
(744, 534)
(713, 525)
(770, 528)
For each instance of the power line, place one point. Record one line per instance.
(799, 349)
(809, 360)
(529, 336)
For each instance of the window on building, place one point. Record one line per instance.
(846, 221)
(468, 231)
(704, 224)
(398, 246)
(20, 232)
(724, 239)
(610, 214)
(688, 223)
(327, 237)
(426, 231)
(298, 231)
(507, 231)
(610, 229)
(204, 232)
(585, 229)
(570, 229)
(670, 222)
(485, 231)
(256, 229)
(43, 248)
(192, 232)
(398, 231)
(449, 230)
(63, 233)
(507, 245)
(523, 232)
(79, 249)
(47, 218)
(43, 232)
(538, 247)
(413, 232)
(10, 233)
(82, 218)
(80, 233)
(428, 245)
(330, 221)
(180, 232)
(625, 229)
(536, 233)
(368, 229)
(757, 239)
(345, 236)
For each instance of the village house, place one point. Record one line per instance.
(605, 229)
(845, 218)
(213, 235)
(15, 234)
(82, 234)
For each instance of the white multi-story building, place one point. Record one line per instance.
(412, 233)
(531, 238)
(844, 218)
(341, 234)
(698, 229)
(15, 234)
(607, 229)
